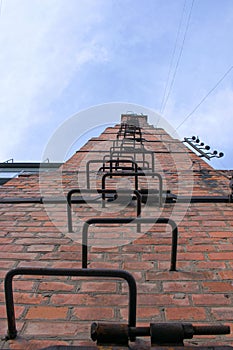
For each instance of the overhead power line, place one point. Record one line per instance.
(179, 58)
(173, 56)
(205, 97)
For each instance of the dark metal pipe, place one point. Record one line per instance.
(39, 200)
(71, 192)
(127, 221)
(212, 329)
(171, 198)
(12, 331)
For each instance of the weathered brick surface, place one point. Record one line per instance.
(59, 310)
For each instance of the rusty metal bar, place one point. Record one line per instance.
(172, 198)
(73, 191)
(161, 334)
(12, 331)
(127, 221)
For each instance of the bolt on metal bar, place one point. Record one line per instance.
(73, 191)
(136, 175)
(8, 283)
(127, 221)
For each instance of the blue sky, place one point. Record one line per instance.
(58, 57)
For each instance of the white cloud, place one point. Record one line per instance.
(42, 46)
(58, 57)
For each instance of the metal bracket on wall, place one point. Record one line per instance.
(101, 191)
(200, 147)
(127, 221)
(108, 273)
(135, 175)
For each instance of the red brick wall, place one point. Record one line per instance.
(60, 310)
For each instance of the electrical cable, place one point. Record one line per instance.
(173, 56)
(205, 97)
(179, 57)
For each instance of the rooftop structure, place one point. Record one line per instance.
(158, 188)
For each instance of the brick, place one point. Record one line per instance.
(223, 313)
(84, 299)
(137, 248)
(145, 288)
(156, 256)
(24, 285)
(181, 287)
(36, 328)
(163, 299)
(178, 275)
(61, 256)
(226, 274)
(24, 344)
(191, 256)
(211, 299)
(36, 240)
(26, 298)
(18, 256)
(201, 248)
(185, 313)
(55, 286)
(221, 256)
(143, 265)
(6, 264)
(130, 257)
(40, 248)
(105, 287)
(218, 286)
(221, 234)
(103, 265)
(35, 263)
(210, 265)
(5, 241)
(143, 313)
(47, 312)
(214, 223)
(92, 313)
